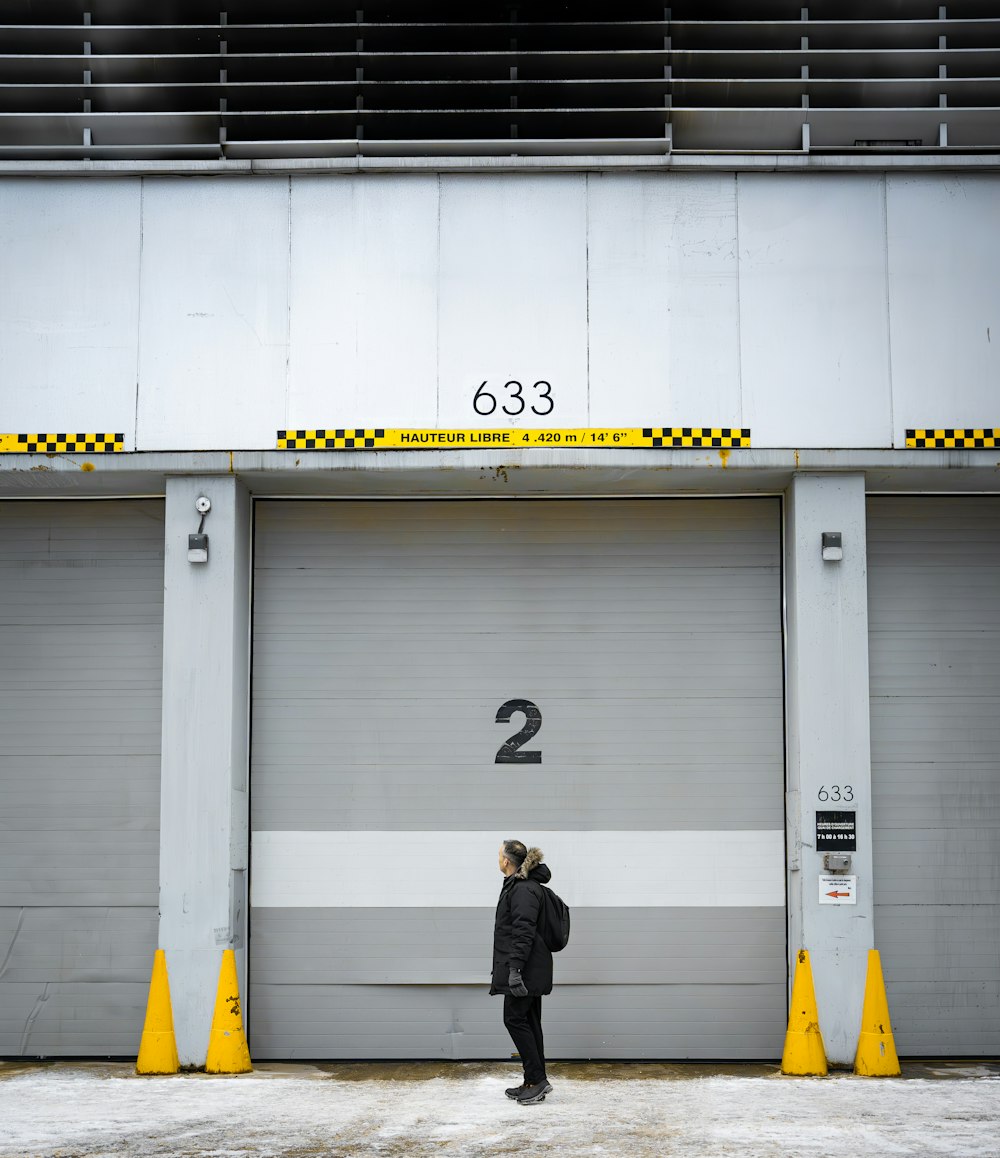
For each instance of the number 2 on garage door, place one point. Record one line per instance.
(511, 751)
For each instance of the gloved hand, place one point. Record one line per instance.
(515, 983)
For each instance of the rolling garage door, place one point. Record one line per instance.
(81, 626)
(934, 593)
(644, 638)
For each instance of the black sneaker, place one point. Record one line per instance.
(514, 1092)
(531, 1095)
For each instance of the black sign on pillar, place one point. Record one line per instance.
(836, 832)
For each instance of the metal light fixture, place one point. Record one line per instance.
(833, 548)
(198, 542)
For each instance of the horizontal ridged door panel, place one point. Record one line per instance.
(386, 637)
(81, 626)
(934, 620)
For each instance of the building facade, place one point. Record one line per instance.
(620, 475)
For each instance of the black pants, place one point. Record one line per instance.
(523, 1018)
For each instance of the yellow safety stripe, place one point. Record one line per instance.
(383, 438)
(61, 443)
(965, 438)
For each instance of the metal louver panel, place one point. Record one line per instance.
(303, 78)
(107, 79)
(836, 76)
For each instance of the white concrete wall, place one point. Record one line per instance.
(204, 764)
(69, 305)
(814, 333)
(828, 741)
(823, 310)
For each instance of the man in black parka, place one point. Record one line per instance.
(522, 963)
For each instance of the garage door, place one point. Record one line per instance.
(602, 679)
(81, 625)
(934, 591)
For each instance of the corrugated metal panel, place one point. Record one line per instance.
(115, 78)
(387, 635)
(626, 946)
(935, 681)
(81, 593)
(582, 1021)
(73, 1019)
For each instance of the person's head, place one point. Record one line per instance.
(511, 856)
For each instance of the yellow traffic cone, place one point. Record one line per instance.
(228, 1052)
(876, 1056)
(158, 1047)
(804, 1052)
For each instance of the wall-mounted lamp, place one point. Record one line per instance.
(833, 548)
(198, 542)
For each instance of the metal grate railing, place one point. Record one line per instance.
(107, 79)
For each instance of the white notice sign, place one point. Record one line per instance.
(838, 890)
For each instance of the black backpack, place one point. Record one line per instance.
(553, 921)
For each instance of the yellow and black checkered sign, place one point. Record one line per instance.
(730, 437)
(61, 443)
(331, 439)
(964, 438)
(636, 437)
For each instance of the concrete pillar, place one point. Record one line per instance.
(204, 770)
(828, 743)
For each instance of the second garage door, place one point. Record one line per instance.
(599, 678)
(934, 618)
(81, 629)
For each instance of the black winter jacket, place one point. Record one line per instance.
(516, 941)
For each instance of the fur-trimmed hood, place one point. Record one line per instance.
(533, 867)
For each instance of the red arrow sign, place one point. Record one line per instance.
(838, 894)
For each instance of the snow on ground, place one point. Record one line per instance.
(98, 1110)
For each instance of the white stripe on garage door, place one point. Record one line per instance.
(365, 869)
